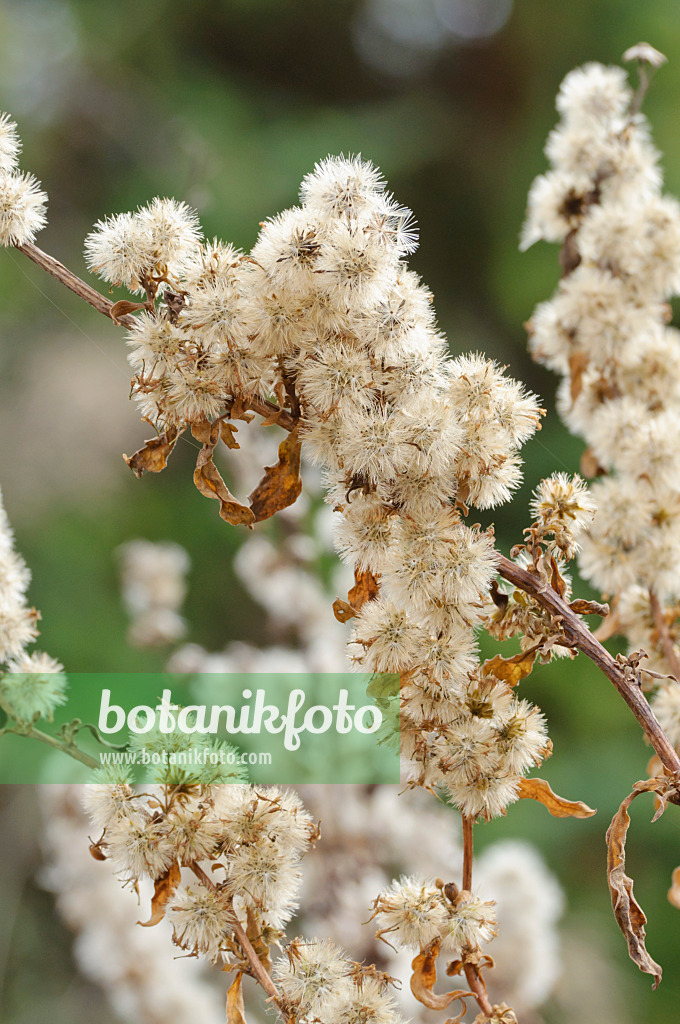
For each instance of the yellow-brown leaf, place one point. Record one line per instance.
(424, 977)
(511, 670)
(539, 789)
(674, 891)
(343, 611)
(281, 484)
(164, 888)
(153, 457)
(209, 482)
(366, 587)
(236, 1013)
(628, 912)
(123, 307)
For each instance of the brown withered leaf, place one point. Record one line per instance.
(209, 482)
(164, 888)
(343, 611)
(629, 914)
(123, 307)
(203, 431)
(236, 1013)
(578, 362)
(153, 457)
(423, 979)
(239, 411)
(556, 581)
(281, 484)
(674, 891)
(511, 670)
(366, 587)
(259, 945)
(228, 434)
(539, 789)
(582, 607)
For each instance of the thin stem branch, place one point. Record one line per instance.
(669, 648)
(257, 969)
(468, 824)
(78, 287)
(472, 974)
(262, 406)
(580, 637)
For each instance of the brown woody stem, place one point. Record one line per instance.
(662, 629)
(580, 637)
(256, 968)
(467, 852)
(103, 305)
(472, 975)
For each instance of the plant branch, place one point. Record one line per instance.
(472, 974)
(467, 852)
(262, 406)
(257, 969)
(662, 629)
(580, 637)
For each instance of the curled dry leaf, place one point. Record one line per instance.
(629, 914)
(539, 789)
(153, 457)
(164, 888)
(281, 484)
(236, 1013)
(343, 611)
(209, 481)
(423, 979)
(124, 307)
(511, 670)
(582, 607)
(366, 587)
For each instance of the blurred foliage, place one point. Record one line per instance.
(227, 104)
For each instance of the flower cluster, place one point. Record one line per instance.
(255, 836)
(32, 685)
(606, 332)
(22, 203)
(325, 314)
(414, 913)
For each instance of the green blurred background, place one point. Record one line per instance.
(227, 105)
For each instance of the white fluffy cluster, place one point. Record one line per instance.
(255, 836)
(141, 981)
(324, 308)
(606, 332)
(32, 685)
(22, 203)
(413, 913)
(319, 982)
(153, 585)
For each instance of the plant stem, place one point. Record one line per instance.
(262, 406)
(578, 634)
(472, 974)
(256, 967)
(468, 824)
